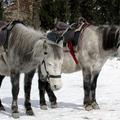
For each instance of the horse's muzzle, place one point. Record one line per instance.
(55, 82)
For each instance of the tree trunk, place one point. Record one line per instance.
(36, 11)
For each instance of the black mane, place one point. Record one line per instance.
(110, 37)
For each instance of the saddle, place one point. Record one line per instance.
(53, 36)
(75, 36)
(70, 35)
(5, 29)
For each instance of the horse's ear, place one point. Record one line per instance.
(61, 43)
(81, 19)
(45, 45)
(55, 21)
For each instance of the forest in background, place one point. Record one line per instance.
(95, 11)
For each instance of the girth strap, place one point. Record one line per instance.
(70, 46)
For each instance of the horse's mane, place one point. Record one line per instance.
(24, 38)
(26, 41)
(56, 50)
(110, 37)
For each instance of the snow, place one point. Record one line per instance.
(70, 97)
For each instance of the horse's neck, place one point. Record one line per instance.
(38, 52)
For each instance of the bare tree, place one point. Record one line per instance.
(36, 11)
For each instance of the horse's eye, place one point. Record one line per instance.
(45, 53)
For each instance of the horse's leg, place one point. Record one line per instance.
(15, 90)
(27, 90)
(87, 87)
(1, 79)
(51, 95)
(41, 87)
(93, 90)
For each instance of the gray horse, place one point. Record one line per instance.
(94, 45)
(68, 66)
(26, 49)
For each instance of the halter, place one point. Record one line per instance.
(48, 76)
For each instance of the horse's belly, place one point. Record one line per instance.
(4, 69)
(25, 68)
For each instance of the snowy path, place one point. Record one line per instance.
(70, 98)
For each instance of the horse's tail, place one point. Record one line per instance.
(110, 37)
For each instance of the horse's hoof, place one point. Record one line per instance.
(88, 107)
(95, 106)
(54, 105)
(43, 107)
(15, 115)
(30, 112)
(2, 108)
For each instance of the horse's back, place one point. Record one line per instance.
(89, 52)
(90, 40)
(23, 42)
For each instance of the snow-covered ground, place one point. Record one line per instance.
(70, 97)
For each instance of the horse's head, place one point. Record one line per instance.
(52, 63)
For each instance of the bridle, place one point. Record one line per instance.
(48, 75)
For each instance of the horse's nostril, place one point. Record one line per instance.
(55, 86)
